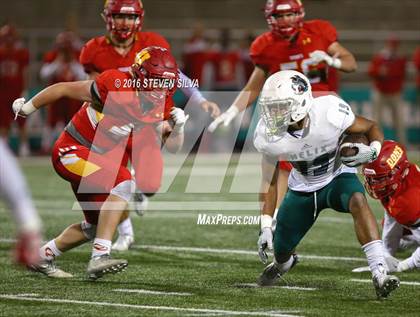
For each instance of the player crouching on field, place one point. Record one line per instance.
(306, 131)
(395, 181)
(89, 152)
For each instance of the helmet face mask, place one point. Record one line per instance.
(284, 17)
(123, 18)
(276, 115)
(385, 175)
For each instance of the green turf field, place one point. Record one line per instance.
(179, 268)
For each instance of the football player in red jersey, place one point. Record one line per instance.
(13, 61)
(116, 50)
(60, 64)
(310, 47)
(395, 181)
(118, 117)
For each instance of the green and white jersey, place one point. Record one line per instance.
(314, 153)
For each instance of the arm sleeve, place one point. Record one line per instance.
(99, 89)
(192, 93)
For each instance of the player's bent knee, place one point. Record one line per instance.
(124, 190)
(357, 202)
(89, 230)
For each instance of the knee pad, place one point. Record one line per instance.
(124, 190)
(88, 230)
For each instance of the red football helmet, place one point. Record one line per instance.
(384, 176)
(156, 71)
(126, 7)
(275, 9)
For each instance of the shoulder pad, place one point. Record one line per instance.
(339, 112)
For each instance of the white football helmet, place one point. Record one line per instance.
(285, 99)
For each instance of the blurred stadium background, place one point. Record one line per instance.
(363, 28)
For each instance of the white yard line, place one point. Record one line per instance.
(146, 291)
(146, 307)
(296, 288)
(242, 252)
(370, 281)
(224, 251)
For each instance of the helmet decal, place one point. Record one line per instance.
(299, 85)
(395, 156)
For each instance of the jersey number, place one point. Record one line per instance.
(314, 75)
(319, 165)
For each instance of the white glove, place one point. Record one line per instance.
(226, 117)
(365, 153)
(20, 108)
(265, 241)
(392, 264)
(320, 56)
(410, 263)
(179, 119)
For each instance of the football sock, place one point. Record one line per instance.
(375, 257)
(49, 251)
(101, 247)
(285, 266)
(125, 228)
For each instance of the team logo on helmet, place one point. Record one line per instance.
(141, 57)
(299, 85)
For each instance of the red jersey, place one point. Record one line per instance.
(99, 54)
(66, 74)
(405, 205)
(226, 65)
(12, 65)
(195, 57)
(272, 53)
(416, 61)
(111, 116)
(388, 72)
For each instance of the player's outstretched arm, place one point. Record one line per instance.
(268, 201)
(245, 98)
(78, 90)
(348, 62)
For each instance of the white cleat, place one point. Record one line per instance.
(123, 243)
(385, 284)
(49, 269)
(101, 265)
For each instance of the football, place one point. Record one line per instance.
(352, 138)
